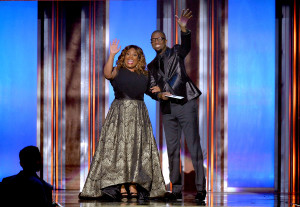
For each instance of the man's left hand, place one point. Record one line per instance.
(184, 18)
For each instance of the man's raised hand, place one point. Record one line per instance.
(186, 14)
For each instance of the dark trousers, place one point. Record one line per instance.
(184, 117)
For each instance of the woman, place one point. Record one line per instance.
(126, 153)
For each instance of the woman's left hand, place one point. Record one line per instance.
(155, 89)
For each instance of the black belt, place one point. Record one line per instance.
(177, 101)
(129, 98)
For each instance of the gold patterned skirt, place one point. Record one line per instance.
(126, 152)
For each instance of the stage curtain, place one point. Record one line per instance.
(71, 87)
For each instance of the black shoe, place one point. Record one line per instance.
(178, 196)
(173, 196)
(142, 197)
(200, 195)
(110, 195)
(169, 196)
(143, 194)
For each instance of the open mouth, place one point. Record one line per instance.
(130, 61)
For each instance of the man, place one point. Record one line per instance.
(27, 188)
(167, 70)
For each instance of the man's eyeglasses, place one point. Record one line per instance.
(159, 39)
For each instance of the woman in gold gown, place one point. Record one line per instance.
(126, 153)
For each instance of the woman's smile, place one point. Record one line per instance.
(131, 58)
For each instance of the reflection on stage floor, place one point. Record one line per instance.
(69, 198)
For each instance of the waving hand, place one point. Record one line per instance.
(186, 14)
(114, 47)
(109, 73)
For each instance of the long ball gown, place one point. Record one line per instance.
(127, 151)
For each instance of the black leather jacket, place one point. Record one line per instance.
(175, 79)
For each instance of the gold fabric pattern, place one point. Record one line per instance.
(126, 152)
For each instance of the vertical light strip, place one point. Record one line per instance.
(203, 85)
(290, 129)
(99, 92)
(208, 88)
(285, 170)
(97, 69)
(297, 111)
(212, 96)
(294, 99)
(94, 76)
(52, 93)
(39, 91)
(298, 102)
(89, 90)
(61, 104)
(56, 102)
(107, 34)
(216, 91)
(84, 148)
(63, 91)
(47, 70)
(290, 188)
(226, 96)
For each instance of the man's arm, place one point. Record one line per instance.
(151, 83)
(153, 89)
(185, 43)
(185, 33)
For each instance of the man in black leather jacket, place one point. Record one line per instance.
(167, 70)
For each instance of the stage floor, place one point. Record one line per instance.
(69, 198)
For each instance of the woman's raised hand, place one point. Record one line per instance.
(109, 73)
(114, 47)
